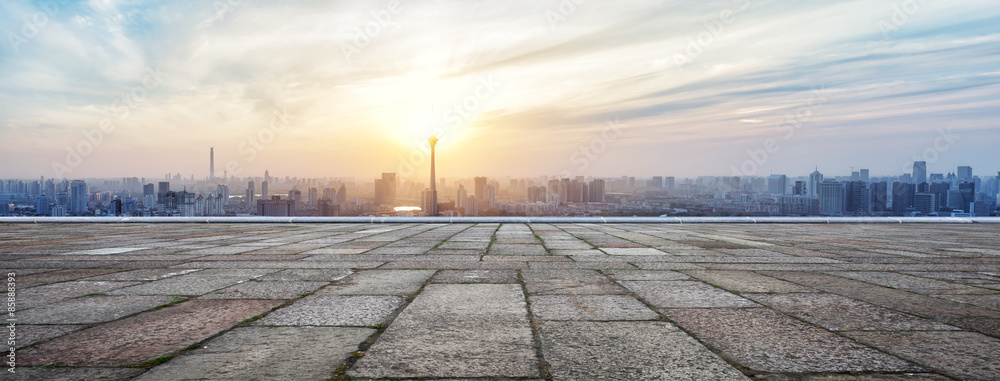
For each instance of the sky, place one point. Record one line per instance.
(113, 88)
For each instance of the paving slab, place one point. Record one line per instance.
(456, 330)
(335, 310)
(569, 282)
(685, 294)
(265, 290)
(632, 251)
(628, 351)
(265, 353)
(476, 276)
(765, 340)
(145, 336)
(645, 275)
(909, 282)
(91, 309)
(516, 249)
(379, 282)
(73, 374)
(51, 293)
(142, 275)
(837, 313)
(326, 275)
(30, 334)
(590, 307)
(964, 355)
(745, 281)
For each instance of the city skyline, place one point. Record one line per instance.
(521, 89)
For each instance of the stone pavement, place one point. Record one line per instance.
(504, 301)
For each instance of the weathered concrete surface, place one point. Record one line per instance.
(776, 302)
(146, 336)
(336, 310)
(456, 330)
(265, 353)
(628, 351)
(768, 341)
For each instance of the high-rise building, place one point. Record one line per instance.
(211, 164)
(857, 198)
(313, 197)
(251, 194)
(777, 184)
(480, 183)
(597, 190)
(964, 173)
(799, 189)
(925, 203)
(275, 207)
(941, 190)
(462, 198)
(919, 172)
(490, 196)
(78, 197)
(879, 196)
(902, 197)
(342, 194)
(263, 190)
(385, 190)
(815, 179)
(831, 198)
(864, 176)
(42, 204)
(327, 207)
(668, 183)
(295, 197)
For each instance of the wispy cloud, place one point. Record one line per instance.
(228, 68)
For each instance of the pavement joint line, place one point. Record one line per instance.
(536, 339)
(340, 373)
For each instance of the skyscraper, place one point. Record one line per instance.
(385, 190)
(480, 183)
(313, 197)
(964, 173)
(211, 163)
(815, 179)
(78, 197)
(831, 198)
(776, 184)
(263, 190)
(250, 197)
(864, 175)
(597, 190)
(919, 172)
(902, 197)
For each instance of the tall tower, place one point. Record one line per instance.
(211, 163)
(433, 210)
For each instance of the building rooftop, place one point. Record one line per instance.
(556, 301)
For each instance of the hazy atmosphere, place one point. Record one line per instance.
(597, 88)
